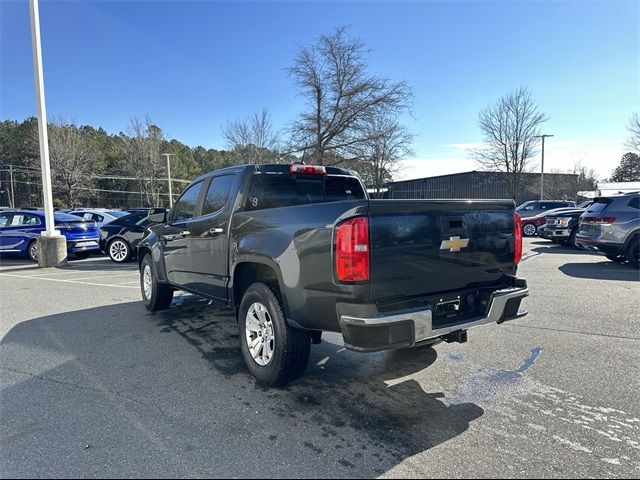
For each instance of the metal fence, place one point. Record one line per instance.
(487, 185)
(21, 187)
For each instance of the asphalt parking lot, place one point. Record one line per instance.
(93, 385)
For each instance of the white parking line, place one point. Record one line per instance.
(66, 281)
(103, 276)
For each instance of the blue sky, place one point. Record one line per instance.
(193, 65)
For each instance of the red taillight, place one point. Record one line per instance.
(605, 220)
(352, 250)
(308, 169)
(517, 237)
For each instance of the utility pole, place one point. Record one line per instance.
(168, 156)
(51, 246)
(13, 187)
(542, 166)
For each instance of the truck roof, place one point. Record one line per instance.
(275, 168)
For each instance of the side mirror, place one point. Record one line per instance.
(157, 215)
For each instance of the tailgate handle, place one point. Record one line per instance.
(452, 223)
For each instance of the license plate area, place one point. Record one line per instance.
(459, 307)
(452, 307)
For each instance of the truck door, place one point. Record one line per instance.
(176, 238)
(210, 238)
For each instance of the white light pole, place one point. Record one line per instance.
(169, 155)
(42, 120)
(51, 247)
(542, 166)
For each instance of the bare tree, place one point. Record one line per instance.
(142, 148)
(342, 97)
(253, 140)
(634, 130)
(509, 128)
(73, 160)
(378, 158)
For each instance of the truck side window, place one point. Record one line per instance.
(185, 208)
(635, 203)
(217, 194)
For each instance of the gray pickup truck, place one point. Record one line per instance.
(297, 250)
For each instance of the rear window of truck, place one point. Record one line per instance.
(273, 190)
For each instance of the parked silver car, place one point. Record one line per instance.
(612, 226)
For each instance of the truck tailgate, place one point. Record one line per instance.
(419, 248)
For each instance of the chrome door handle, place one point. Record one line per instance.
(215, 231)
(175, 236)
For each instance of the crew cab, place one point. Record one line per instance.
(297, 250)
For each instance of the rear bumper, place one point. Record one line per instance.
(83, 244)
(370, 334)
(608, 248)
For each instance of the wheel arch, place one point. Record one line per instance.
(251, 270)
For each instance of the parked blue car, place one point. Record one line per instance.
(19, 230)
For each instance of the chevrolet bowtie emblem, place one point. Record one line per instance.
(454, 244)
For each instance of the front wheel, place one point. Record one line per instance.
(274, 352)
(633, 253)
(572, 238)
(528, 229)
(119, 250)
(155, 295)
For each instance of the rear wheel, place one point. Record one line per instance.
(155, 295)
(32, 250)
(528, 229)
(633, 253)
(119, 250)
(274, 352)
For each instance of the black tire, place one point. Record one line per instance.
(526, 230)
(291, 346)
(119, 250)
(572, 238)
(82, 255)
(32, 250)
(633, 253)
(161, 295)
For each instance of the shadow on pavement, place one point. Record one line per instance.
(562, 249)
(73, 264)
(601, 271)
(134, 388)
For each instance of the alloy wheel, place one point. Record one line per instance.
(260, 335)
(529, 230)
(33, 251)
(147, 281)
(118, 250)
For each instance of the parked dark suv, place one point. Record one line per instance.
(562, 225)
(612, 226)
(535, 207)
